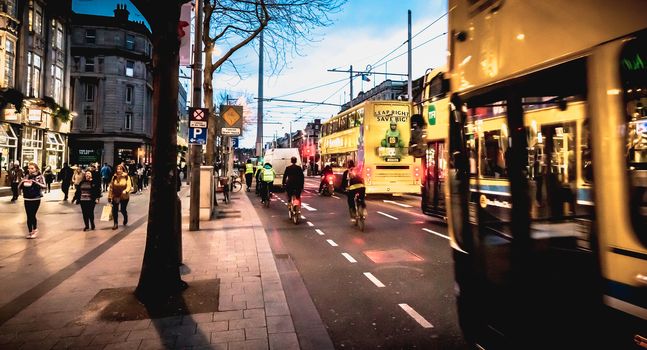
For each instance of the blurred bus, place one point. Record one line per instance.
(375, 135)
(547, 172)
(431, 134)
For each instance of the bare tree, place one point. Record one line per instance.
(232, 24)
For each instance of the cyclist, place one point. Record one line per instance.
(249, 173)
(327, 170)
(354, 184)
(267, 179)
(257, 176)
(293, 180)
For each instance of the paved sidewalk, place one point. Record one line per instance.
(253, 312)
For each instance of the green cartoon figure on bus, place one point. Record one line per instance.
(392, 139)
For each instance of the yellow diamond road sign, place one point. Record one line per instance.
(231, 116)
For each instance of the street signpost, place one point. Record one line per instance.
(233, 120)
(198, 123)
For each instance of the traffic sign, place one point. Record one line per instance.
(197, 124)
(234, 142)
(198, 114)
(230, 131)
(198, 136)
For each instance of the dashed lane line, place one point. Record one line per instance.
(308, 207)
(387, 215)
(349, 258)
(416, 316)
(335, 197)
(310, 224)
(303, 217)
(436, 233)
(400, 204)
(332, 243)
(374, 280)
(321, 233)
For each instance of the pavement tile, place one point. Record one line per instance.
(108, 338)
(39, 345)
(279, 324)
(218, 346)
(7, 338)
(231, 305)
(248, 323)
(150, 333)
(227, 336)
(192, 340)
(101, 328)
(277, 309)
(276, 296)
(228, 315)
(255, 344)
(217, 326)
(73, 331)
(34, 336)
(129, 345)
(180, 331)
(253, 313)
(166, 322)
(197, 318)
(74, 342)
(284, 341)
(256, 333)
(133, 325)
(157, 344)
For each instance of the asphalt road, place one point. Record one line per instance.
(389, 287)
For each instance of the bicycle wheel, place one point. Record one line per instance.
(236, 186)
(295, 217)
(360, 223)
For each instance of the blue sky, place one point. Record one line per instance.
(363, 32)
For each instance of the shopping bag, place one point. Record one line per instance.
(106, 213)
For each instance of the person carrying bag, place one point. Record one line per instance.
(119, 195)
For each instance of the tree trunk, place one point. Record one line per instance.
(160, 274)
(207, 85)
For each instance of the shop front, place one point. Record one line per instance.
(85, 153)
(8, 151)
(32, 146)
(55, 150)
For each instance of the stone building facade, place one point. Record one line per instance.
(34, 67)
(112, 84)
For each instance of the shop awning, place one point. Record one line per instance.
(54, 142)
(7, 136)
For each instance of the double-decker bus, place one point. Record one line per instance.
(375, 135)
(433, 109)
(547, 172)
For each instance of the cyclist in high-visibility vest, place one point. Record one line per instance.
(353, 183)
(267, 177)
(257, 176)
(249, 173)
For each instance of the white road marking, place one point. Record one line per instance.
(400, 204)
(332, 243)
(319, 232)
(308, 207)
(310, 224)
(349, 258)
(416, 316)
(335, 197)
(436, 233)
(374, 280)
(303, 217)
(388, 216)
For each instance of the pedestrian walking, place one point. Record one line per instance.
(32, 185)
(140, 178)
(119, 194)
(147, 174)
(106, 173)
(65, 177)
(77, 177)
(49, 178)
(15, 176)
(88, 195)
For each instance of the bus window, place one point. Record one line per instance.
(351, 120)
(587, 154)
(360, 117)
(492, 160)
(343, 123)
(634, 81)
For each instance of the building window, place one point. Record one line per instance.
(90, 36)
(33, 74)
(10, 7)
(89, 64)
(130, 68)
(57, 81)
(128, 122)
(89, 92)
(130, 42)
(57, 34)
(89, 119)
(130, 93)
(9, 59)
(36, 19)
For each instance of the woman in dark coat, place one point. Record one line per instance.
(87, 194)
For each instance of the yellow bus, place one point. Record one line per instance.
(375, 135)
(434, 112)
(547, 172)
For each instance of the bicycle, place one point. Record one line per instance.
(360, 212)
(294, 209)
(266, 200)
(235, 184)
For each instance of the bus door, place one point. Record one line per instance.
(433, 187)
(525, 278)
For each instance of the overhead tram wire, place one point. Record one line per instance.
(311, 88)
(424, 43)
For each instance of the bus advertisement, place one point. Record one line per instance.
(375, 135)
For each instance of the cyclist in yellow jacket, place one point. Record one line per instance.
(267, 180)
(249, 173)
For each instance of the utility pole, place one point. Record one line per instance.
(410, 88)
(290, 141)
(196, 150)
(259, 117)
(351, 85)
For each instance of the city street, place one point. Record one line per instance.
(390, 286)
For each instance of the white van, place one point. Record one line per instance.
(280, 159)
